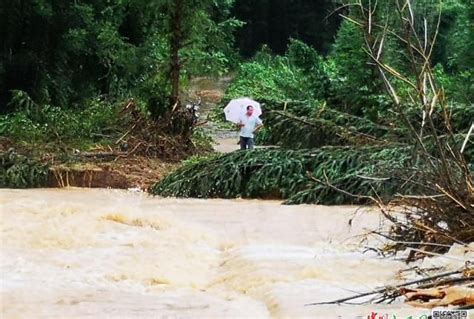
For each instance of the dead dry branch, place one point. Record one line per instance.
(443, 210)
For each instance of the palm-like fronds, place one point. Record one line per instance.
(292, 174)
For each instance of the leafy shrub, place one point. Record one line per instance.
(202, 140)
(458, 86)
(297, 76)
(18, 171)
(354, 87)
(46, 123)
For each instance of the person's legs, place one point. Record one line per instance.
(250, 143)
(243, 143)
(246, 143)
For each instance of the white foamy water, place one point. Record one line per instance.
(81, 253)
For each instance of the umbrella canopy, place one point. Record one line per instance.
(237, 107)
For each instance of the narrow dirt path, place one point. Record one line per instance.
(211, 91)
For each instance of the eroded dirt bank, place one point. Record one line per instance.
(132, 172)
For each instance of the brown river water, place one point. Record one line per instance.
(83, 253)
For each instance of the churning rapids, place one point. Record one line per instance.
(82, 253)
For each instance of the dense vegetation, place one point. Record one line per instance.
(68, 68)
(82, 75)
(385, 114)
(18, 171)
(291, 175)
(64, 53)
(365, 102)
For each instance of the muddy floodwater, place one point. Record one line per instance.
(82, 253)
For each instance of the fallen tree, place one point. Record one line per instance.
(292, 174)
(291, 131)
(326, 126)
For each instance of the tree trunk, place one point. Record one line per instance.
(176, 43)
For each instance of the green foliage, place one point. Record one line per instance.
(267, 82)
(324, 127)
(460, 117)
(290, 174)
(456, 48)
(459, 86)
(69, 51)
(50, 123)
(354, 87)
(212, 52)
(202, 140)
(18, 171)
(195, 159)
(360, 171)
(312, 64)
(64, 53)
(299, 75)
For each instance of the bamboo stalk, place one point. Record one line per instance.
(387, 289)
(468, 136)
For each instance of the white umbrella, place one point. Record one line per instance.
(237, 107)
